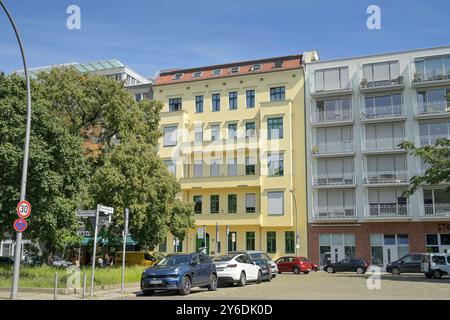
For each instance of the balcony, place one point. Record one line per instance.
(437, 210)
(431, 140)
(421, 80)
(333, 149)
(335, 213)
(332, 117)
(334, 180)
(433, 109)
(386, 178)
(381, 85)
(383, 113)
(385, 145)
(388, 211)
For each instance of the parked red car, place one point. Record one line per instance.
(294, 264)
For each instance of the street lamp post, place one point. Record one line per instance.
(295, 221)
(23, 186)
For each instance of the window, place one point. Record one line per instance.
(433, 68)
(234, 70)
(277, 94)
(384, 73)
(232, 203)
(216, 102)
(232, 167)
(174, 104)
(199, 104)
(198, 133)
(250, 203)
(250, 166)
(250, 240)
(215, 132)
(332, 79)
(275, 162)
(198, 204)
(198, 168)
(170, 136)
(232, 100)
(275, 203)
(171, 166)
(289, 241)
(250, 129)
(275, 128)
(277, 64)
(138, 97)
(383, 106)
(255, 67)
(197, 74)
(177, 245)
(232, 131)
(214, 206)
(271, 242)
(250, 97)
(217, 72)
(163, 245)
(334, 110)
(177, 76)
(215, 168)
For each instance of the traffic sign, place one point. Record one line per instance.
(24, 209)
(86, 213)
(20, 225)
(105, 209)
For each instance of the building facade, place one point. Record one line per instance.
(358, 110)
(233, 135)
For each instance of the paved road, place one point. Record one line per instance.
(320, 285)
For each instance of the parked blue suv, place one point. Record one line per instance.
(180, 272)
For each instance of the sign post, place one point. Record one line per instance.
(125, 233)
(228, 234)
(217, 238)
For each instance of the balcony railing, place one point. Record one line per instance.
(381, 83)
(383, 112)
(437, 209)
(420, 77)
(385, 144)
(335, 212)
(334, 179)
(387, 210)
(431, 140)
(333, 147)
(386, 177)
(433, 107)
(321, 117)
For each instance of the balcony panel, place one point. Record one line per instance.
(381, 85)
(383, 113)
(433, 109)
(431, 140)
(333, 148)
(437, 210)
(383, 145)
(335, 213)
(387, 211)
(378, 178)
(334, 179)
(332, 117)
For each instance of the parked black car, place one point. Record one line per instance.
(406, 264)
(6, 261)
(357, 265)
(266, 268)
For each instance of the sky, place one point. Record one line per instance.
(149, 35)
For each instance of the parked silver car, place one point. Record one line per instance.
(435, 265)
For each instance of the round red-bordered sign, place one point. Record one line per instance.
(20, 225)
(24, 209)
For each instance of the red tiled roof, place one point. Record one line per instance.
(267, 65)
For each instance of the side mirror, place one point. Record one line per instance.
(254, 263)
(401, 261)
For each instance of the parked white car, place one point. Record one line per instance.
(237, 268)
(435, 265)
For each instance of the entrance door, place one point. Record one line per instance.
(202, 243)
(337, 253)
(389, 254)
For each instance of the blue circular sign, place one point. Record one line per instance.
(20, 225)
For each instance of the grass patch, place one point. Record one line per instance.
(44, 276)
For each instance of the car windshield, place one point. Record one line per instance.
(226, 257)
(255, 255)
(175, 260)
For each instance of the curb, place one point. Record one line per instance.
(67, 291)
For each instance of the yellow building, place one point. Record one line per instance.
(234, 136)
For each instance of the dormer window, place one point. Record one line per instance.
(177, 76)
(234, 70)
(217, 72)
(256, 67)
(197, 74)
(278, 64)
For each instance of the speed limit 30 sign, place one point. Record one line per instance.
(24, 209)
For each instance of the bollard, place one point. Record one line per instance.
(84, 286)
(55, 293)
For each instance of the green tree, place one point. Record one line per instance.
(57, 168)
(181, 219)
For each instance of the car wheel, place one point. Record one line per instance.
(213, 283)
(242, 280)
(186, 286)
(437, 274)
(396, 271)
(148, 292)
(330, 269)
(360, 270)
(305, 272)
(296, 270)
(274, 275)
(259, 279)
